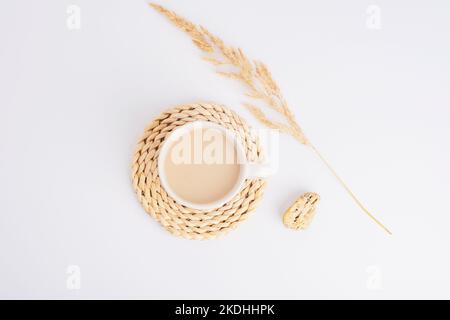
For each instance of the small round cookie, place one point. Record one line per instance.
(301, 213)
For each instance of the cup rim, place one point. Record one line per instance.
(241, 157)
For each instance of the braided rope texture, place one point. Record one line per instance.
(180, 220)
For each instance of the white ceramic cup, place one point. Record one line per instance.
(248, 170)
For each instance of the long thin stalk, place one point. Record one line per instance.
(349, 191)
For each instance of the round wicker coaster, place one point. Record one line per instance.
(176, 218)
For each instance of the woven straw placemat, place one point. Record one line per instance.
(176, 218)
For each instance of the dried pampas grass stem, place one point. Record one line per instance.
(258, 81)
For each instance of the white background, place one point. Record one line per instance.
(376, 103)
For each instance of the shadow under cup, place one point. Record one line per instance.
(201, 165)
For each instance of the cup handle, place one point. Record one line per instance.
(259, 170)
